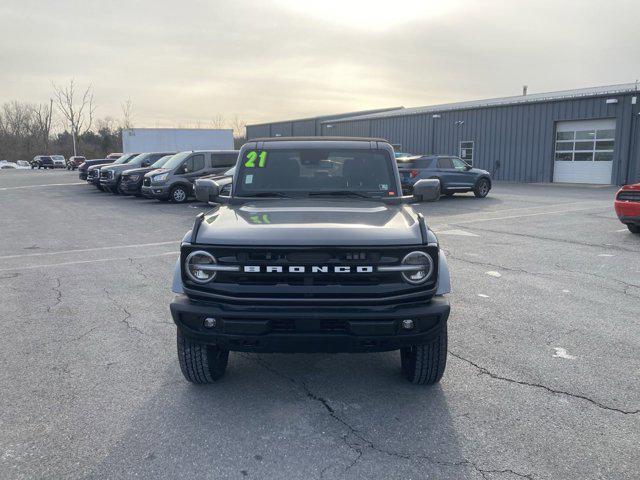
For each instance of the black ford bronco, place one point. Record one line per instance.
(314, 250)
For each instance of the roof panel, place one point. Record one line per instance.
(493, 102)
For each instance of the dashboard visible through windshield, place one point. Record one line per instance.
(303, 172)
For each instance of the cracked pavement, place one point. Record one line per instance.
(91, 386)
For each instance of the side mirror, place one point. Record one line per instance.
(426, 190)
(207, 190)
(468, 167)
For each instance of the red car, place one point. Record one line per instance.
(627, 206)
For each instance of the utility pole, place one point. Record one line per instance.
(73, 135)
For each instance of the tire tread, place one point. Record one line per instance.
(199, 363)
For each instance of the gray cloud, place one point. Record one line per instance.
(186, 62)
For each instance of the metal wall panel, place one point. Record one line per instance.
(258, 131)
(360, 128)
(281, 129)
(303, 128)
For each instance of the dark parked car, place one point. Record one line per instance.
(42, 161)
(93, 173)
(175, 181)
(314, 251)
(131, 180)
(75, 162)
(204, 184)
(111, 176)
(455, 175)
(83, 168)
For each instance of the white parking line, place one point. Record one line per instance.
(111, 247)
(462, 233)
(554, 212)
(47, 185)
(80, 262)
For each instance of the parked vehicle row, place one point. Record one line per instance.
(18, 164)
(48, 161)
(58, 161)
(166, 176)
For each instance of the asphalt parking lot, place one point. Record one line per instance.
(542, 379)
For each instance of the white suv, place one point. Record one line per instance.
(58, 161)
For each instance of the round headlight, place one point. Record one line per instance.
(423, 267)
(196, 266)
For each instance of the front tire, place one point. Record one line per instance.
(482, 188)
(201, 363)
(425, 364)
(178, 194)
(633, 228)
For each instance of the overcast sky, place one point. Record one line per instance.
(183, 62)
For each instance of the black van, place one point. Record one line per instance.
(175, 180)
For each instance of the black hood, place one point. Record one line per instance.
(139, 170)
(91, 163)
(120, 167)
(314, 222)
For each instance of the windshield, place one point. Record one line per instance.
(315, 172)
(176, 160)
(414, 163)
(161, 161)
(126, 158)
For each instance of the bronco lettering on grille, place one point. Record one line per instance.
(307, 269)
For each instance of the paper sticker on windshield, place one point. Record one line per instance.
(248, 179)
(383, 186)
(253, 156)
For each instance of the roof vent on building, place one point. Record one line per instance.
(524, 89)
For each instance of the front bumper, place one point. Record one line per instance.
(310, 329)
(108, 182)
(130, 187)
(155, 191)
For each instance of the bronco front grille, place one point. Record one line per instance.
(629, 196)
(308, 286)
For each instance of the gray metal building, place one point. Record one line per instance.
(303, 127)
(589, 135)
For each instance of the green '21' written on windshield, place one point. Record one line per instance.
(252, 156)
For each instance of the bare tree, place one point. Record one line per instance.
(127, 114)
(24, 129)
(218, 121)
(238, 127)
(42, 116)
(78, 110)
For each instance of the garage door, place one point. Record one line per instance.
(584, 151)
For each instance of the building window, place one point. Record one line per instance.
(585, 146)
(466, 152)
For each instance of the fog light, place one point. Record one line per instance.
(209, 322)
(407, 324)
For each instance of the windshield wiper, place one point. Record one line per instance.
(341, 193)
